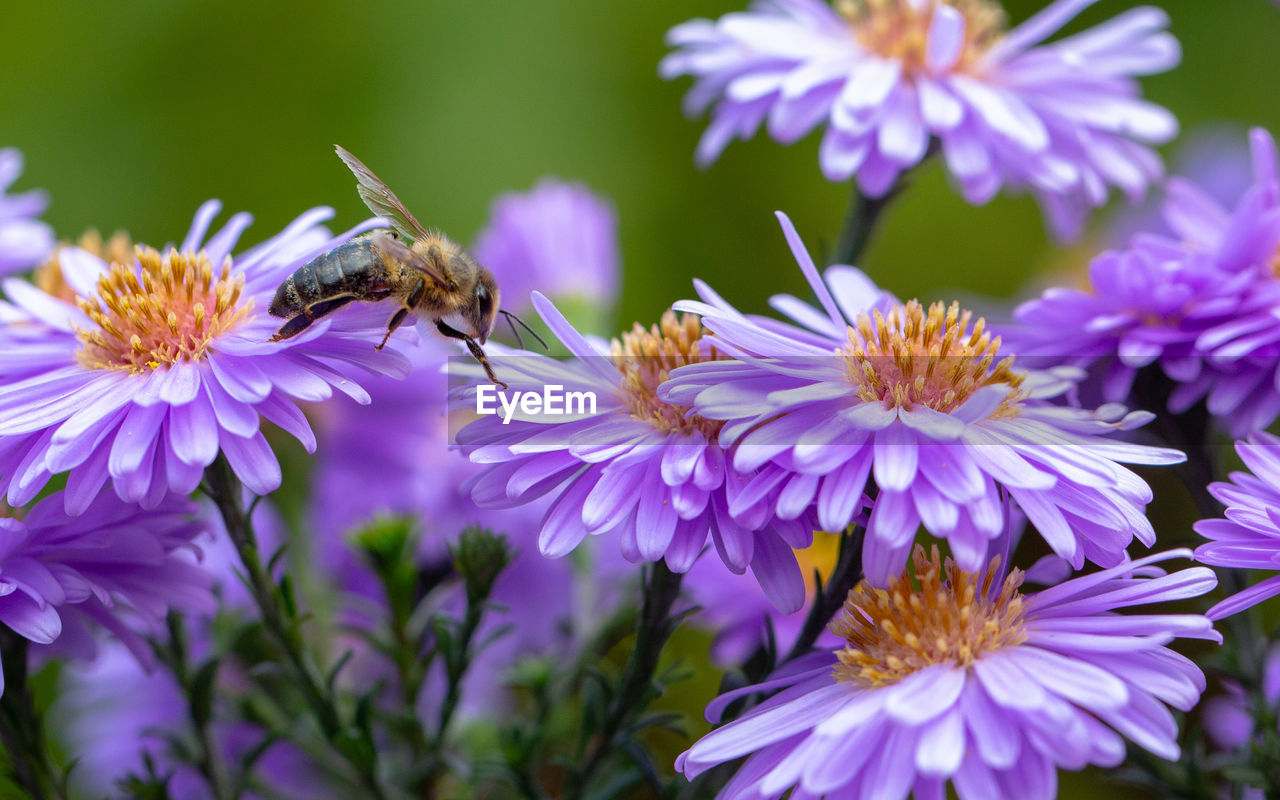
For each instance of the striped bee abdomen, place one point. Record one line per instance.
(354, 267)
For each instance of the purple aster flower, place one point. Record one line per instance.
(1249, 537)
(1228, 719)
(364, 470)
(163, 362)
(559, 238)
(956, 677)
(24, 240)
(630, 463)
(116, 566)
(890, 78)
(1197, 303)
(922, 401)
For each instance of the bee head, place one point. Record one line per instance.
(484, 309)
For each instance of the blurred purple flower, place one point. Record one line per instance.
(630, 463)
(957, 677)
(1198, 303)
(117, 566)
(112, 711)
(558, 238)
(144, 372)
(1228, 718)
(24, 240)
(1249, 536)
(891, 78)
(920, 401)
(392, 457)
(114, 714)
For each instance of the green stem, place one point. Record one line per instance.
(653, 628)
(860, 224)
(29, 764)
(208, 762)
(281, 621)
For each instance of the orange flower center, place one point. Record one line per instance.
(646, 357)
(899, 29)
(944, 616)
(160, 310)
(48, 276)
(912, 357)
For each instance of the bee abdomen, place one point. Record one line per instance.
(344, 269)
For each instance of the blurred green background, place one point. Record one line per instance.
(131, 114)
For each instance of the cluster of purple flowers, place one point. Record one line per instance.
(854, 424)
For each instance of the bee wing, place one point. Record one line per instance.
(380, 199)
(398, 250)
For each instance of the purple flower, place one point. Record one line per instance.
(117, 566)
(24, 240)
(893, 78)
(1228, 719)
(958, 677)
(392, 457)
(921, 401)
(162, 363)
(649, 472)
(558, 238)
(1249, 537)
(1197, 303)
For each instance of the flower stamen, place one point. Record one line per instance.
(48, 276)
(912, 358)
(953, 617)
(160, 310)
(899, 29)
(646, 357)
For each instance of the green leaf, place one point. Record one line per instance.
(203, 689)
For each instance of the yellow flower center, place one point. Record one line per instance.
(946, 616)
(912, 357)
(899, 29)
(160, 310)
(646, 357)
(48, 276)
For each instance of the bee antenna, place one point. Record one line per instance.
(512, 319)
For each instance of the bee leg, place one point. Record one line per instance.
(410, 303)
(293, 327)
(476, 351)
(309, 315)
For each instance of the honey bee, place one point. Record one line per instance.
(426, 271)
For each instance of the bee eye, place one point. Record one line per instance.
(483, 299)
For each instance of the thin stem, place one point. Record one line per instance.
(455, 670)
(281, 622)
(831, 596)
(21, 728)
(859, 224)
(653, 628)
(208, 762)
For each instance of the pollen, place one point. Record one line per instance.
(646, 357)
(944, 616)
(913, 357)
(899, 29)
(48, 276)
(159, 310)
